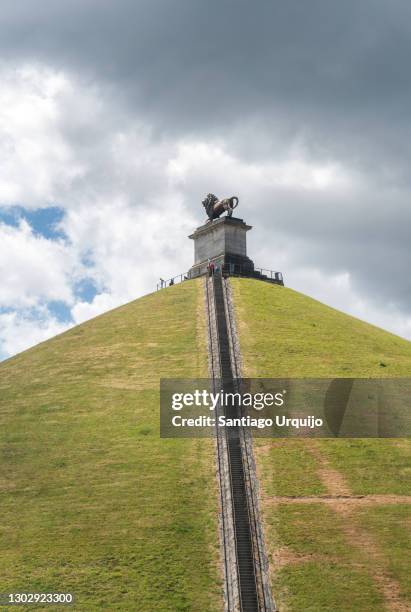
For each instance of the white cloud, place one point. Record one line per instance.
(82, 311)
(337, 291)
(33, 269)
(62, 144)
(36, 161)
(131, 200)
(19, 332)
(294, 170)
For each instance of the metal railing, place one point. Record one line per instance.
(239, 270)
(174, 280)
(229, 269)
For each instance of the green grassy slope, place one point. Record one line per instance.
(93, 502)
(285, 333)
(326, 544)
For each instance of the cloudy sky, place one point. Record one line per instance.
(117, 117)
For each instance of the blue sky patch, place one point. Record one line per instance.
(43, 221)
(85, 290)
(6, 309)
(60, 311)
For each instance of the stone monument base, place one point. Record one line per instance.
(222, 241)
(230, 264)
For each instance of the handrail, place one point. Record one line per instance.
(228, 270)
(218, 438)
(239, 270)
(163, 283)
(225, 435)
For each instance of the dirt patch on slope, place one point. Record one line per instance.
(342, 501)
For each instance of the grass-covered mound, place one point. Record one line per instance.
(285, 333)
(93, 501)
(335, 511)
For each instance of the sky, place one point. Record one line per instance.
(118, 117)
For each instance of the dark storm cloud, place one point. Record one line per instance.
(258, 75)
(337, 71)
(206, 63)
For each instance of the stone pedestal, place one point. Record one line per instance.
(222, 241)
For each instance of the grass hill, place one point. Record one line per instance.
(95, 503)
(285, 333)
(335, 511)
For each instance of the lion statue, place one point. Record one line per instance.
(215, 207)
